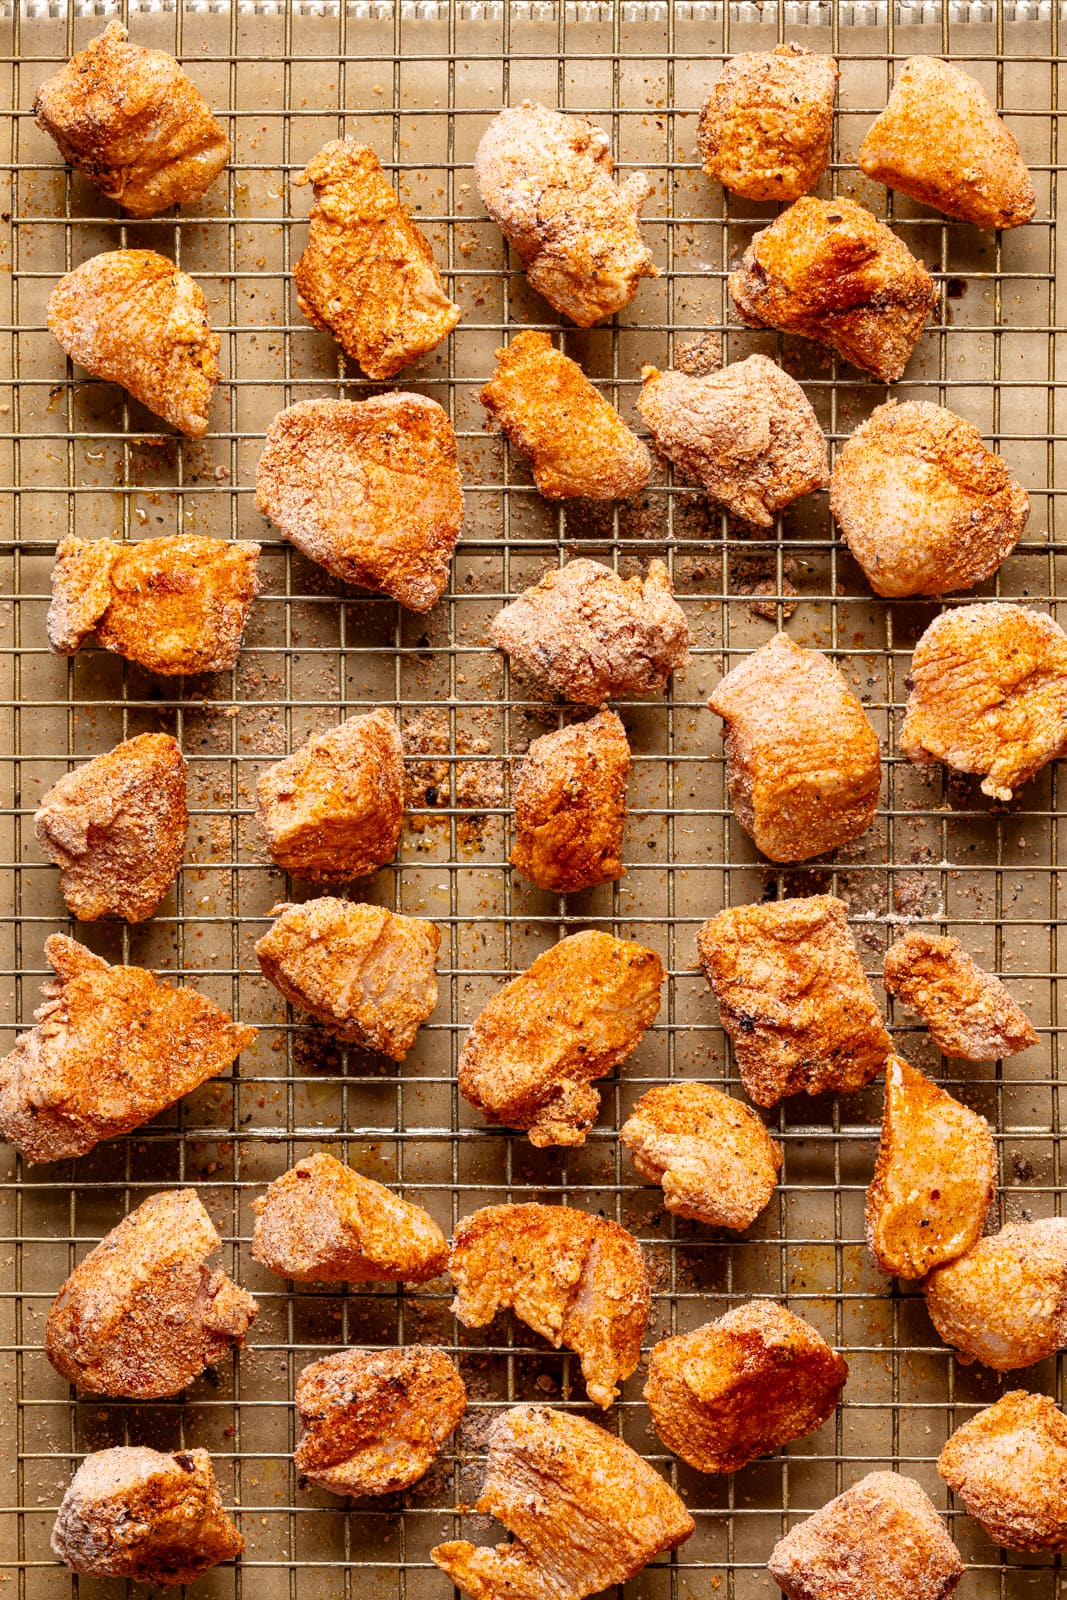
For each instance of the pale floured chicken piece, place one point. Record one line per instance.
(934, 1179)
(333, 810)
(367, 274)
(585, 1510)
(135, 124)
(113, 1047)
(1004, 1301)
(372, 1421)
(322, 1222)
(766, 128)
(365, 973)
(1008, 1464)
(576, 1279)
(743, 1386)
(570, 806)
(136, 1513)
(802, 759)
(940, 141)
(969, 1012)
(546, 179)
(132, 317)
(175, 605)
(989, 695)
(587, 635)
(144, 1314)
(577, 1012)
(370, 489)
(828, 270)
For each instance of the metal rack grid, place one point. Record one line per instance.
(420, 82)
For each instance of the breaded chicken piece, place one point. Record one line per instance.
(570, 806)
(711, 1155)
(365, 973)
(370, 489)
(577, 1012)
(802, 760)
(1004, 1301)
(1008, 1464)
(372, 1421)
(740, 1387)
(924, 507)
(131, 1512)
(934, 1179)
(585, 1510)
(367, 274)
(587, 635)
(747, 434)
(134, 123)
(333, 810)
(112, 1048)
(175, 605)
(322, 1222)
(546, 181)
(828, 270)
(576, 1279)
(880, 1540)
(940, 141)
(144, 1314)
(969, 1013)
(132, 318)
(766, 127)
(989, 695)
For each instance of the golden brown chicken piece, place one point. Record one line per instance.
(765, 129)
(112, 1047)
(586, 1512)
(969, 1013)
(372, 1421)
(828, 270)
(322, 1222)
(333, 810)
(1004, 1301)
(989, 695)
(940, 141)
(740, 1387)
(570, 806)
(365, 973)
(880, 1540)
(576, 1279)
(132, 318)
(1008, 1464)
(577, 1012)
(587, 635)
(144, 1314)
(367, 274)
(802, 759)
(370, 489)
(134, 123)
(546, 180)
(131, 1512)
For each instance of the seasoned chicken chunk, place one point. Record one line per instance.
(144, 1314)
(131, 1512)
(577, 1012)
(546, 181)
(585, 1510)
(1004, 1301)
(175, 605)
(989, 695)
(828, 270)
(365, 973)
(576, 1279)
(367, 274)
(134, 123)
(765, 129)
(370, 489)
(132, 318)
(1008, 1464)
(585, 634)
(112, 1047)
(969, 1012)
(570, 806)
(322, 1222)
(940, 141)
(802, 759)
(372, 1421)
